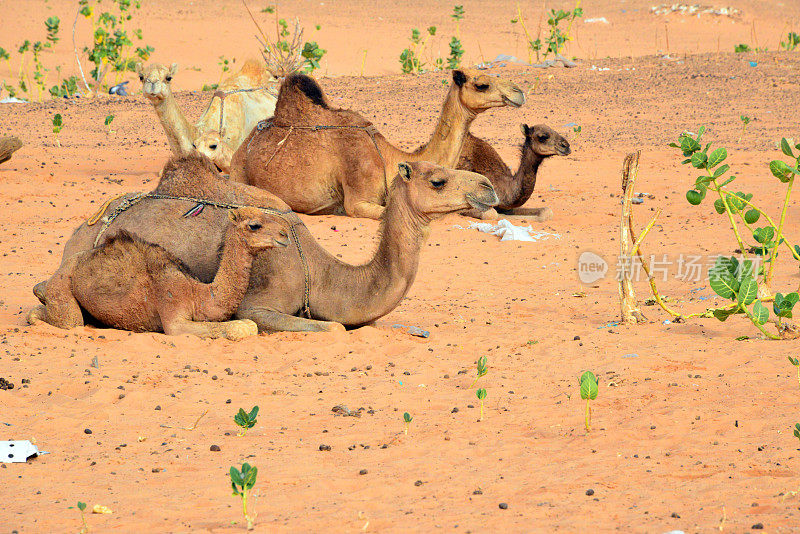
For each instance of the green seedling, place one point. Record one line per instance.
(224, 66)
(742, 48)
(792, 41)
(456, 53)
(796, 363)
(242, 483)
(745, 121)
(246, 420)
(747, 283)
(797, 430)
(58, 124)
(82, 506)
(481, 394)
(457, 15)
(313, 55)
(268, 10)
(107, 123)
(577, 130)
(588, 393)
(482, 369)
(411, 57)
(407, 420)
(52, 24)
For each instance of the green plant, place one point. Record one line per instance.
(482, 369)
(224, 65)
(589, 391)
(58, 123)
(796, 363)
(457, 15)
(82, 507)
(107, 123)
(741, 48)
(67, 88)
(407, 420)
(481, 394)
(410, 58)
(745, 121)
(268, 9)
(747, 284)
(577, 129)
(313, 55)
(52, 24)
(242, 483)
(456, 53)
(792, 40)
(556, 40)
(112, 48)
(797, 430)
(246, 420)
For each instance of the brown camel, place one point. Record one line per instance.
(346, 168)
(8, 145)
(338, 293)
(243, 99)
(133, 285)
(514, 190)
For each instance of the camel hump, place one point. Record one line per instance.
(189, 165)
(307, 86)
(256, 71)
(127, 246)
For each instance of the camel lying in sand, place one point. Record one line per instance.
(243, 99)
(8, 145)
(347, 168)
(129, 284)
(515, 189)
(337, 293)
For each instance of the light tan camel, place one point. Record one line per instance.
(8, 145)
(515, 189)
(345, 166)
(338, 293)
(133, 285)
(243, 99)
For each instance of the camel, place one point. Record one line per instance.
(338, 294)
(242, 98)
(513, 190)
(344, 167)
(8, 145)
(133, 285)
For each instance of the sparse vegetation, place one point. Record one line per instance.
(482, 369)
(556, 39)
(407, 420)
(412, 58)
(242, 482)
(82, 507)
(481, 394)
(747, 283)
(589, 391)
(246, 420)
(791, 42)
(107, 123)
(58, 124)
(745, 121)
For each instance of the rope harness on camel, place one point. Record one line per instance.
(134, 198)
(222, 94)
(369, 130)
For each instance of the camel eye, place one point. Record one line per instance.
(481, 86)
(212, 147)
(253, 227)
(169, 78)
(543, 138)
(141, 77)
(438, 184)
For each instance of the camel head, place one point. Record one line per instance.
(258, 229)
(215, 148)
(478, 91)
(433, 191)
(156, 80)
(544, 141)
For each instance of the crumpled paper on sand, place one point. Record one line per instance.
(509, 232)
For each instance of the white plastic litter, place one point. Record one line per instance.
(596, 19)
(508, 232)
(17, 451)
(13, 100)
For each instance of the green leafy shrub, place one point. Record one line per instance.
(242, 483)
(791, 42)
(246, 420)
(407, 420)
(589, 390)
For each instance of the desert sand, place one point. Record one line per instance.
(692, 429)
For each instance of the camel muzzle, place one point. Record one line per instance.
(515, 100)
(563, 149)
(484, 198)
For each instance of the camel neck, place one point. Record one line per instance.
(524, 180)
(231, 280)
(180, 132)
(444, 147)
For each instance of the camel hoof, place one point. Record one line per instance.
(240, 329)
(38, 290)
(331, 326)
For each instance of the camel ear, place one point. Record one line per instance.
(173, 70)
(233, 215)
(525, 129)
(459, 78)
(405, 171)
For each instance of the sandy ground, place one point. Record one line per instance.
(692, 429)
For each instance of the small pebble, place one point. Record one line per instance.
(576, 338)
(215, 448)
(158, 407)
(418, 483)
(758, 526)
(324, 447)
(363, 472)
(477, 492)
(87, 430)
(454, 410)
(590, 492)
(503, 506)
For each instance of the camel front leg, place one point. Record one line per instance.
(534, 214)
(488, 215)
(273, 321)
(233, 330)
(59, 306)
(362, 208)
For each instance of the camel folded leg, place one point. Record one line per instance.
(59, 306)
(272, 321)
(362, 208)
(233, 330)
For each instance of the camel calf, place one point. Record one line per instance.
(133, 285)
